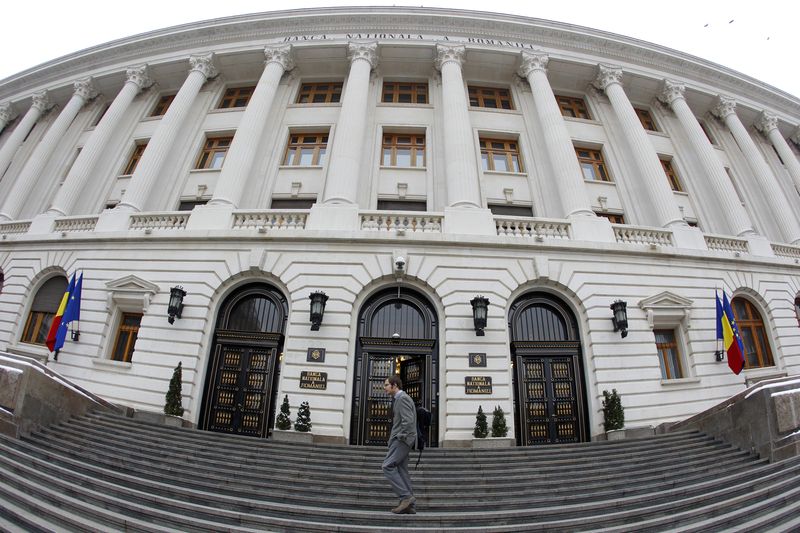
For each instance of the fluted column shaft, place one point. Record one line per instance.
(768, 125)
(82, 168)
(461, 172)
(566, 171)
(242, 152)
(656, 186)
(737, 219)
(163, 140)
(341, 185)
(789, 226)
(32, 170)
(38, 106)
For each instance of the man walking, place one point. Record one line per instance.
(402, 438)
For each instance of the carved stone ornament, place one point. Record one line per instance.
(204, 64)
(606, 75)
(368, 51)
(446, 53)
(766, 122)
(725, 106)
(281, 54)
(671, 91)
(41, 101)
(140, 75)
(84, 88)
(532, 61)
(7, 113)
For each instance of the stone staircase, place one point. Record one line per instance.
(105, 472)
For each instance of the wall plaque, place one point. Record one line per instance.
(477, 359)
(478, 385)
(310, 379)
(315, 355)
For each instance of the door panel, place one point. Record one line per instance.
(412, 372)
(377, 408)
(548, 400)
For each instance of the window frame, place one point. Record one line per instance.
(162, 105)
(414, 148)
(598, 164)
(293, 155)
(482, 93)
(38, 322)
(663, 354)
(614, 218)
(213, 146)
(672, 175)
(333, 94)
(575, 104)
(135, 157)
(757, 329)
(130, 343)
(392, 89)
(646, 119)
(232, 97)
(487, 148)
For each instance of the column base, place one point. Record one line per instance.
(113, 220)
(592, 229)
(210, 217)
(468, 221)
(336, 217)
(760, 246)
(688, 237)
(42, 224)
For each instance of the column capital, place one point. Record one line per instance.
(671, 91)
(41, 101)
(139, 75)
(7, 112)
(446, 53)
(84, 88)
(766, 122)
(368, 51)
(724, 107)
(533, 61)
(281, 54)
(607, 75)
(204, 64)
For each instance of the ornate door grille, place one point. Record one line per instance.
(548, 400)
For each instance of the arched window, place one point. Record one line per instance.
(44, 307)
(757, 352)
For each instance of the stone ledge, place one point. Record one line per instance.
(280, 435)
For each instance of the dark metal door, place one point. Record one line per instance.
(549, 399)
(412, 372)
(377, 414)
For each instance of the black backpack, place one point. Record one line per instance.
(423, 430)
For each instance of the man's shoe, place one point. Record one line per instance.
(405, 504)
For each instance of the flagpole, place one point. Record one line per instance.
(718, 354)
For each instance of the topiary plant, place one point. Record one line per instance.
(303, 422)
(499, 427)
(173, 404)
(613, 412)
(481, 429)
(284, 421)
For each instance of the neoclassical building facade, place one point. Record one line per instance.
(342, 193)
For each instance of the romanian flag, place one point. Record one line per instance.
(51, 335)
(71, 313)
(728, 333)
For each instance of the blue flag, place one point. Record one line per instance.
(72, 312)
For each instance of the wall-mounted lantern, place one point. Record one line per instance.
(620, 317)
(318, 300)
(175, 307)
(480, 308)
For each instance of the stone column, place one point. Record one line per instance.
(566, 171)
(71, 189)
(7, 114)
(461, 172)
(84, 91)
(163, 141)
(341, 185)
(40, 103)
(651, 173)
(768, 125)
(242, 152)
(782, 211)
(736, 217)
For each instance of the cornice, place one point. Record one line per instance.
(567, 39)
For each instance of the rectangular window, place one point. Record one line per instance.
(646, 119)
(573, 107)
(614, 218)
(306, 149)
(404, 93)
(402, 205)
(490, 97)
(236, 97)
(511, 210)
(293, 203)
(37, 327)
(592, 164)
(214, 151)
(401, 150)
(669, 356)
(500, 155)
(163, 104)
(320, 93)
(671, 175)
(127, 332)
(134, 159)
(188, 205)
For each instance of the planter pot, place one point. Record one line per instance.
(493, 442)
(292, 436)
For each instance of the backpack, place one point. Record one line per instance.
(423, 429)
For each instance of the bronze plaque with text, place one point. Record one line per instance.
(310, 379)
(478, 385)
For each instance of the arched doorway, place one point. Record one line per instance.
(397, 334)
(242, 375)
(550, 404)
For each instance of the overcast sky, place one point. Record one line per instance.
(758, 38)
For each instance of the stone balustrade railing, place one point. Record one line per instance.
(74, 224)
(640, 235)
(13, 228)
(783, 250)
(402, 222)
(726, 244)
(537, 228)
(159, 221)
(269, 219)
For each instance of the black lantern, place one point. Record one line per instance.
(480, 307)
(318, 300)
(175, 307)
(620, 318)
